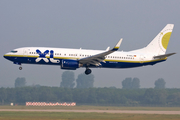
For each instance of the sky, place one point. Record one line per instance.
(88, 24)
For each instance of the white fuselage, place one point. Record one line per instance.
(54, 56)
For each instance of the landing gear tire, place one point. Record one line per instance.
(20, 68)
(88, 71)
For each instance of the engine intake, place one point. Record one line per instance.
(70, 64)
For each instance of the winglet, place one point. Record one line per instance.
(117, 45)
(107, 49)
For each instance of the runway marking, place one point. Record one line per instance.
(98, 111)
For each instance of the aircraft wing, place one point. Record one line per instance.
(164, 56)
(96, 59)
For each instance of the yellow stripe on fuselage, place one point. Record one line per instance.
(22, 56)
(36, 56)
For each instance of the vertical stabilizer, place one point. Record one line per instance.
(160, 43)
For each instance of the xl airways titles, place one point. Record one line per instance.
(71, 59)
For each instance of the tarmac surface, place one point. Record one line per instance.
(97, 111)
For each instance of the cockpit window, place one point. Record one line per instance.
(14, 51)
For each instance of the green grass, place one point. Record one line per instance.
(93, 108)
(81, 116)
(10, 115)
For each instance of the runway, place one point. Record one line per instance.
(97, 111)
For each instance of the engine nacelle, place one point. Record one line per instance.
(70, 64)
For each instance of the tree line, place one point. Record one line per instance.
(68, 81)
(92, 96)
(87, 81)
(134, 83)
(83, 81)
(82, 91)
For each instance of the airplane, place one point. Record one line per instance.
(71, 59)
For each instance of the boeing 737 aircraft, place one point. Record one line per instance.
(71, 59)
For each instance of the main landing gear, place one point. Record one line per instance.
(88, 71)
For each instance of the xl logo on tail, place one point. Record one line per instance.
(42, 56)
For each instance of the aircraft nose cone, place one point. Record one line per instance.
(8, 57)
(5, 56)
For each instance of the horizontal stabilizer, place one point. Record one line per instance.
(164, 56)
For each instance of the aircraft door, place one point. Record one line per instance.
(25, 53)
(141, 58)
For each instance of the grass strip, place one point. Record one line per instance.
(93, 108)
(81, 116)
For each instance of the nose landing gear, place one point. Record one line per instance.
(20, 68)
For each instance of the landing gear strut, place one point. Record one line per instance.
(88, 71)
